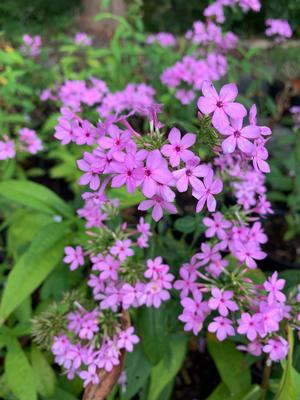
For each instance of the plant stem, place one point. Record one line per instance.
(265, 379)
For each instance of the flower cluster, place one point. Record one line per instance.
(82, 39)
(26, 141)
(279, 28)
(164, 39)
(216, 9)
(31, 45)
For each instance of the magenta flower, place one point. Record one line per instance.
(109, 268)
(222, 106)
(222, 327)
(74, 257)
(154, 268)
(208, 253)
(274, 287)
(205, 193)
(276, 348)
(116, 141)
(7, 149)
(65, 130)
(187, 282)
(92, 167)
(216, 226)
(127, 174)
(248, 325)
(248, 253)
(122, 249)
(90, 376)
(222, 302)
(155, 171)
(239, 136)
(158, 204)
(127, 339)
(177, 150)
(190, 174)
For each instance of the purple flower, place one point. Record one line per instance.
(122, 249)
(127, 339)
(128, 174)
(216, 226)
(205, 193)
(190, 174)
(92, 167)
(276, 348)
(222, 301)
(248, 253)
(74, 257)
(222, 327)
(274, 286)
(239, 136)
(155, 171)
(248, 325)
(222, 106)
(109, 268)
(158, 204)
(177, 150)
(89, 376)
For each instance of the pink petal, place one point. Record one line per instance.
(174, 136)
(228, 92)
(235, 110)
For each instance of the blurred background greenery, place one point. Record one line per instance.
(46, 16)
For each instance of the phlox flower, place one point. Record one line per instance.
(74, 257)
(206, 191)
(208, 253)
(127, 174)
(276, 348)
(248, 253)
(122, 250)
(222, 327)
(274, 286)
(158, 204)
(127, 339)
(190, 174)
(109, 268)
(65, 130)
(216, 226)
(222, 302)
(90, 376)
(178, 149)
(248, 325)
(91, 165)
(7, 149)
(187, 282)
(221, 105)
(238, 136)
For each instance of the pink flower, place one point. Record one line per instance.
(248, 252)
(205, 193)
(74, 257)
(7, 149)
(208, 253)
(239, 136)
(154, 268)
(190, 174)
(277, 348)
(216, 226)
(89, 376)
(222, 327)
(92, 167)
(273, 286)
(221, 301)
(158, 204)
(156, 294)
(65, 130)
(109, 268)
(127, 339)
(248, 325)
(122, 249)
(222, 106)
(155, 171)
(127, 174)
(187, 282)
(177, 150)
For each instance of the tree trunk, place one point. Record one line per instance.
(103, 30)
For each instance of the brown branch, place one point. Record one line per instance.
(107, 380)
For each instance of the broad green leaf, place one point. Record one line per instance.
(152, 328)
(34, 196)
(44, 253)
(186, 224)
(44, 375)
(222, 393)
(164, 372)
(19, 373)
(61, 394)
(126, 199)
(287, 387)
(138, 370)
(231, 365)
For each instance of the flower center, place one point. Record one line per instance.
(220, 104)
(236, 134)
(177, 148)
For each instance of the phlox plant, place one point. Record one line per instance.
(215, 286)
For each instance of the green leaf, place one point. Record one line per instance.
(152, 328)
(126, 199)
(44, 253)
(287, 387)
(18, 372)
(164, 372)
(44, 375)
(222, 393)
(236, 375)
(138, 370)
(61, 394)
(186, 224)
(34, 196)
